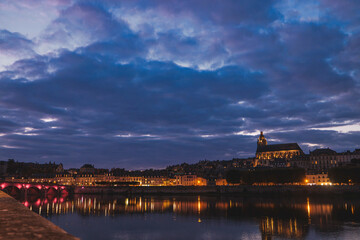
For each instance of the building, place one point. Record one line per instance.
(87, 169)
(155, 181)
(322, 159)
(266, 153)
(85, 180)
(73, 171)
(59, 168)
(345, 158)
(64, 179)
(221, 182)
(190, 180)
(280, 163)
(301, 161)
(243, 163)
(318, 179)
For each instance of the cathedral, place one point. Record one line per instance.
(266, 153)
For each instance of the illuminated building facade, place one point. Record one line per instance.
(138, 179)
(85, 180)
(190, 180)
(221, 182)
(266, 153)
(318, 179)
(65, 179)
(155, 181)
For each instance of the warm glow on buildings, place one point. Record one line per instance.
(266, 153)
(221, 182)
(321, 179)
(190, 180)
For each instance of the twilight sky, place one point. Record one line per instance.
(140, 84)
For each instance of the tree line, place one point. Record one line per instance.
(348, 174)
(274, 175)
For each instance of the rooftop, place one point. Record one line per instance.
(278, 147)
(323, 151)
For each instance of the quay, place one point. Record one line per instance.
(221, 190)
(17, 222)
(17, 189)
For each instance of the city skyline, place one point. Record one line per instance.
(143, 85)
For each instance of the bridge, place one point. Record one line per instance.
(39, 189)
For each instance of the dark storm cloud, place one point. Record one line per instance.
(141, 84)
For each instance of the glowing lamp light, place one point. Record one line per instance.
(306, 180)
(3, 185)
(27, 186)
(39, 187)
(19, 186)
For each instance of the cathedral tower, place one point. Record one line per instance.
(261, 140)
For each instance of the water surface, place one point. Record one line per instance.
(202, 217)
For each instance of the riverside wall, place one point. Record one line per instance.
(18, 222)
(222, 190)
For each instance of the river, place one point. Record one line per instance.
(202, 217)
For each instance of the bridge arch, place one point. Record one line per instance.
(33, 190)
(52, 190)
(63, 190)
(12, 190)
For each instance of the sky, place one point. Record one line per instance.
(142, 84)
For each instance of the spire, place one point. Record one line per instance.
(261, 140)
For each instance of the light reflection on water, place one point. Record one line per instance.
(202, 217)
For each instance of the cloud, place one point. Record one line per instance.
(151, 83)
(13, 46)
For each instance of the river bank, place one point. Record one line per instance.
(221, 190)
(18, 222)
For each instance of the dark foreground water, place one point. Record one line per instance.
(202, 217)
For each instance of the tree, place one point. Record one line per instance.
(235, 176)
(345, 174)
(273, 175)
